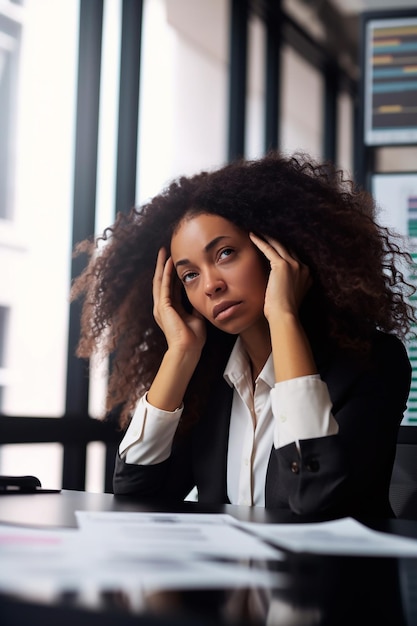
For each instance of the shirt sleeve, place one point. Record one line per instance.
(148, 439)
(302, 409)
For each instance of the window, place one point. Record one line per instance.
(302, 105)
(183, 99)
(255, 99)
(10, 28)
(38, 61)
(4, 318)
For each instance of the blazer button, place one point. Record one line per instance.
(313, 465)
(295, 468)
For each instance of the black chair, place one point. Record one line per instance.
(403, 489)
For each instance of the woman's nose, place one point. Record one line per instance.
(214, 284)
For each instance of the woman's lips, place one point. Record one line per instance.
(224, 309)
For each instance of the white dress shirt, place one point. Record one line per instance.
(263, 415)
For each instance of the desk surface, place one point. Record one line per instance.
(321, 590)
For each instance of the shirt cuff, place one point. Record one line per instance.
(302, 409)
(149, 437)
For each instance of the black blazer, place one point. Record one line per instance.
(344, 474)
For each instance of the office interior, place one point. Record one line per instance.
(102, 103)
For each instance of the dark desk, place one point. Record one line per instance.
(322, 590)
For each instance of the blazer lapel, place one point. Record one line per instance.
(210, 446)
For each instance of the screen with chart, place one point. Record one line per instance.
(390, 81)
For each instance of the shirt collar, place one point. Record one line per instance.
(238, 365)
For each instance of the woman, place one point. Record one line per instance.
(254, 315)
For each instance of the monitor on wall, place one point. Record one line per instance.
(389, 75)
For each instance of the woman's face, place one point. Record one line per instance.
(221, 270)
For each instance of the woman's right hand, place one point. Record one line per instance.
(185, 332)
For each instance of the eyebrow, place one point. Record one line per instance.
(207, 248)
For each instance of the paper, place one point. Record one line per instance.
(345, 536)
(140, 552)
(122, 553)
(182, 535)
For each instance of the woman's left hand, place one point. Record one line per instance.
(289, 279)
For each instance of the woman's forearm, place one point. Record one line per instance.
(171, 381)
(291, 349)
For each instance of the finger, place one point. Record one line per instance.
(260, 243)
(157, 277)
(270, 247)
(160, 263)
(281, 249)
(166, 280)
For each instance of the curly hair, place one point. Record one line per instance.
(358, 267)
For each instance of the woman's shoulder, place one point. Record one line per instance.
(386, 358)
(384, 344)
(389, 361)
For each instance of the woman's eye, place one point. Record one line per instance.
(225, 253)
(186, 278)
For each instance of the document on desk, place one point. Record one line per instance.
(344, 536)
(173, 534)
(44, 562)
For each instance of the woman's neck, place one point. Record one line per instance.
(257, 343)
